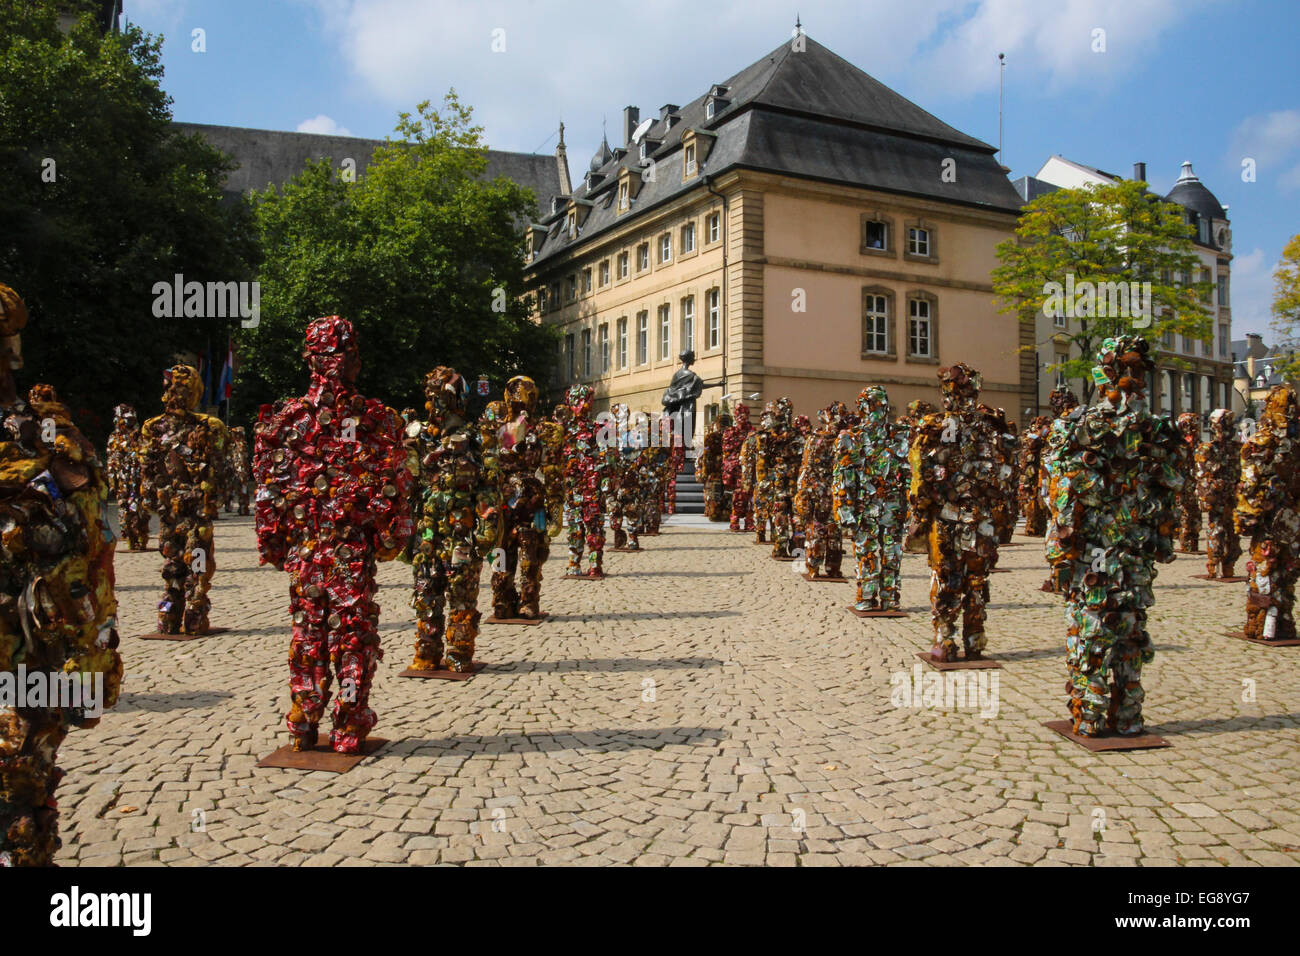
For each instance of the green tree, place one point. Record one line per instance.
(101, 200)
(1286, 305)
(1117, 233)
(422, 253)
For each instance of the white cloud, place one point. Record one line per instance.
(572, 61)
(324, 125)
(1269, 139)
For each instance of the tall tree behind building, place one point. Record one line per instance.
(421, 253)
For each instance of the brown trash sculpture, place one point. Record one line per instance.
(183, 454)
(1033, 442)
(1218, 469)
(1268, 509)
(124, 478)
(1189, 505)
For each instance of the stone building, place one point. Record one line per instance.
(804, 229)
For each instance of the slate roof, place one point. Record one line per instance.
(273, 157)
(1028, 188)
(810, 114)
(1272, 355)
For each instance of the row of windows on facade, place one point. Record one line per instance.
(581, 283)
(599, 362)
(876, 237)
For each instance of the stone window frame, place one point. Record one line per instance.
(891, 323)
(921, 295)
(604, 358)
(714, 215)
(683, 314)
(643, 355)
(623, 264)
(876, 216)
(667, 237)
(660, 338)
(604, 273)
(622, 344)
(649, 258)
(712, 291)
(931, 241)
(693, 226)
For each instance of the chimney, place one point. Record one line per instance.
(1140, 172)
(631, 117)
(562, 164)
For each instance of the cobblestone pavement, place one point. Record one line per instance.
(702, 705)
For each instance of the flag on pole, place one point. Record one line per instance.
(227, 383)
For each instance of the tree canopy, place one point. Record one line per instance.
(1286, 304)
(421, 252)
(1077, 240)
(101, 200)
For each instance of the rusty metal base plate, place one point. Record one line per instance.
(826, 579)
(516, 620)
(628, 550)
(983, 664)
(877, 613)
(1107, 741)
(1286, 642)
(585, 577)
(1232, 580)
(1000, 571)
(444, 673)
(320, 757)
(160, 636)
(1181, 551)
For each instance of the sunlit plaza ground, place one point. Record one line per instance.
(704, 704)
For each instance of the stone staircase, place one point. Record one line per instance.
(690, 493)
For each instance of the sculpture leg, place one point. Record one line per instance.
(309, 666)
(505, 599)
(172, 534)
(947, 587)
(866, 550)
(834, 549)
(782, 531)
(616, 525)
(1127, 658)
(29, 819)
(534, 549)
(593, 522)
(428, 599)
(891, 560)
(1271, 599)
(243, 501)
(462, 628)
(975, 595)
(1229, 541)
(577, 537)
(202, 565)
(355, 653)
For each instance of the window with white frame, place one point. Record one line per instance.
(1059, 320)
(713, 328)
(1223, 290)
(587, 368)
(586, 280)
(920, 331)
(715, 227)
(622, 195)
(571, 285)
(875, 234)
(622, 265)
(604, 348)
(643, 257)
(688, 238)
(570, 359)
(642, 338)
(622, 343)
(918, 241)
(875, 324)
(688, 323)
(666, 247)
(690, 160)
(665, 332)
(603, 273)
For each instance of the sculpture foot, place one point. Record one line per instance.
(307, 741)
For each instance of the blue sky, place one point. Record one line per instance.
(1211, 81)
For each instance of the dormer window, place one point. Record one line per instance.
(572, 224)
(622, 196)
(709, 109)
(643, 150)
(690, 160)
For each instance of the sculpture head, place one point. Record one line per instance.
(1222, 422)
(742, 414)
(784, 411)
(125, 418)
(182, 388)
(919, 408)
(767, 420)
(1189, 427)
(687, 357)
(331, 351)
(1061, 400)
(1122, 366)
(832, 416)
(446, 394)
(802, 425)
(238, 433)
(579, 398)
(960, 387)
(522, 395)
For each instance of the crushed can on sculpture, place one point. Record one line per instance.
(1114, 479)
(1033, 442)
(586, 483)
(780, 453)
(1189, 503)
(814, 500)
(241, 467)
(734, 468)
(333, 498)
